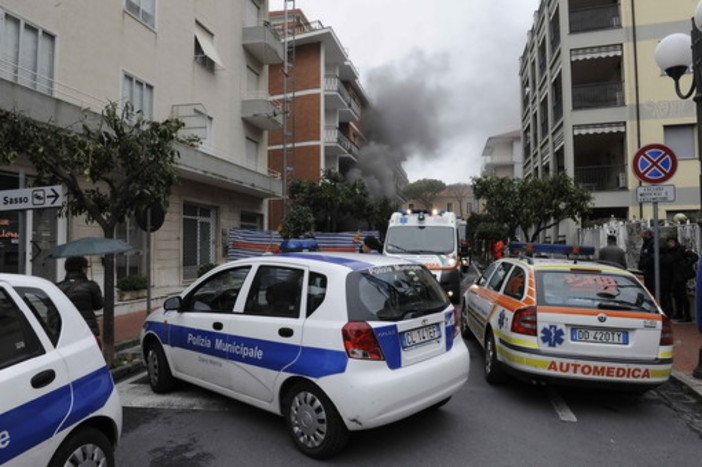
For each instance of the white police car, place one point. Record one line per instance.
(58, 403)
(333, 342)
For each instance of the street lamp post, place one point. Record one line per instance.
(674, 57)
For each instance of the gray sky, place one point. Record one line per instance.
(445, 72)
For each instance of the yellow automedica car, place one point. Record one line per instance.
(567, 320)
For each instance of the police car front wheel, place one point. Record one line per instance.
(86, 447)
(313, 422)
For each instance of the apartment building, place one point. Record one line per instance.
(320, 89)
(203, 61)
(502, 155)
(592, 95)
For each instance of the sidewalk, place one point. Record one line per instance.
(687, 345)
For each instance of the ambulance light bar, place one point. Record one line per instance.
(551, 248)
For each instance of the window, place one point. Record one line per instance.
(132, 263)
(139, 94)
(18, 342)
(515, 284)
(144, 10)
(251, 221)
(253, 9)
(26, 54)
(681, 139)
(218, 293)
(43, 309)
(449, 207)
(252, 80)
(482, 280)
(198, 238)
(205, 51)
(316, 291)
(498, 278)
(251, 153)
(275, 291)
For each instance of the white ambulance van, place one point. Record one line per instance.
(431, 238)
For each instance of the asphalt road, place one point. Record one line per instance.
(514, 424)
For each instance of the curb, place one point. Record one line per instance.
(689, 384)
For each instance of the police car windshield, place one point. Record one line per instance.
(393, 293)
(420, 239)
(592, 290)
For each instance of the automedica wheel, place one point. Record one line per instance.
(465, 331)
(86, 447)
(313, 421)
(160, 377)
(494, 373)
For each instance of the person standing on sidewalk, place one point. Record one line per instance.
(646, 260)
(682, 270)
(611, 253)
(83, 292)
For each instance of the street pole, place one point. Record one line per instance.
(696, 37)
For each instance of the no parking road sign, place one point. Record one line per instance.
(655, 163)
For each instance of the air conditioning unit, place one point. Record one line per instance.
(621, 180)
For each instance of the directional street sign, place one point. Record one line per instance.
(655, 193)
(655, 163)
(32, 198)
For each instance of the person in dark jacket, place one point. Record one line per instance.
(682, 269)
(371, 245)
(612, 253)
(83, 292)
(646, 260)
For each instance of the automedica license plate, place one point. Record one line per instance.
(600, 336)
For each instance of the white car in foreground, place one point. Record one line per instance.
(333, 342)
(58, 403)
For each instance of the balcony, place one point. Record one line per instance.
(263, 42)
(338, 97)
(595, 18)
(591, 96)
(337, 144)
(259, 111)
(602, 177)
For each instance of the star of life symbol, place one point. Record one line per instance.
(502, 319)
(552, 336)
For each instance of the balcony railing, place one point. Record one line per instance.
(332, 83)
(590, 96)
(594, 18)
(334, 137)
(602, 177)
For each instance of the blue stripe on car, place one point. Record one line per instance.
(306, 361)
(389, 341)
(449, 328)
(39, 419)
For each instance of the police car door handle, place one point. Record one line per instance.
(217, 326)
(285, 332)
(43, 379)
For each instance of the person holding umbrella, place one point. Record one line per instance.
(83, 292)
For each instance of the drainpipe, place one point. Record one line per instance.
(636, 88)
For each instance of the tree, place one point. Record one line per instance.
(425, 190)
(298, 221)
(460, 192)
(330, 198)
(110, 168)
(534, 204)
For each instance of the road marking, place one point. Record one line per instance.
(562, 409)
(135, 392)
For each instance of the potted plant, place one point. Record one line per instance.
(132, 287)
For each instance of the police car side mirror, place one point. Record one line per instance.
(172, 304)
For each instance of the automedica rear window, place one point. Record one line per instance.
(393, 293)
(582, 288)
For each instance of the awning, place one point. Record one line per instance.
(590, 53)
(208, 47)
(619, 127)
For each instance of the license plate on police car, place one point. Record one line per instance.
(421, 335)
(599, 336)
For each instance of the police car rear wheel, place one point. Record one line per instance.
(313, 422)
(160, 378)
(494, 373)
(86, 447)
